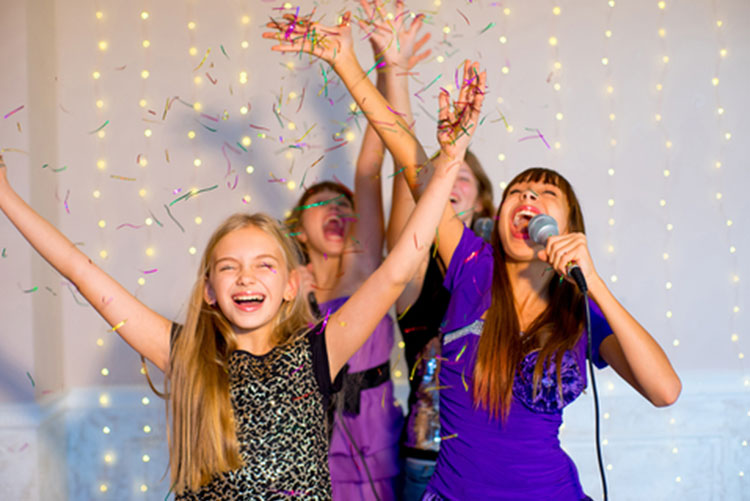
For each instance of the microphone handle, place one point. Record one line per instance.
(574, 271)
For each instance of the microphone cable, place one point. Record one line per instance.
(589, 355)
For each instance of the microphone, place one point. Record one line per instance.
(483, 228)
(541, 227)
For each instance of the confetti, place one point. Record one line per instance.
(302, 396)
(224, 51)
(65, 203)
(100, 127)
(448, 437)
(463, 380)
(487, 28)
(148, 272)
(460, 353)
(296, 370)
(306, 133)
(4, 254)
(465, 18)
(324, 202)
(155, 219)
(414, 369)
(193, 193)
(33, 289)
(302, 99)
(128, 225)
(14, 111)
(403, 313)
(173, 219)
(471, 256)
(336, 147)
(71, 288)
(50, 290)
(122, 178)
(203, 60)
(33, 384)
(317, 161)
(114, 329)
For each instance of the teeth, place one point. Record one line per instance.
(251, 297)
(525, 213)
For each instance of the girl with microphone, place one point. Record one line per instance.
(514, 348)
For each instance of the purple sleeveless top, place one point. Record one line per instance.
(484, 458)
(377, 428)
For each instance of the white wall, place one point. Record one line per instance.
(50, 51)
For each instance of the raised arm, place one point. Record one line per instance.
(349, 327)
(396, 51)
(143, 329)
(631, 350)
(397, 43)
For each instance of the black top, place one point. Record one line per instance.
(279, 404)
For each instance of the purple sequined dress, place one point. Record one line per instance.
(483, 458)
(375, 430)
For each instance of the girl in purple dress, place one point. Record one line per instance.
(514, 346)
(342, 235)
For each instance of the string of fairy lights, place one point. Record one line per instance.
(611, 148)
(555, 77)
(663, 202)
(502, 51)
(147, 157)
(719, 168)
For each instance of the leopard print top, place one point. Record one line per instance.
(278, 402)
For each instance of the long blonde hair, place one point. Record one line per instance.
(203, 442)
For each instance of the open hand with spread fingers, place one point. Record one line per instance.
(390, 37)
(301, 34)
(457, 124)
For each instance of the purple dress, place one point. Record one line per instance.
(375, 430)
(484, 458)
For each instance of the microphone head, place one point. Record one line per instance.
(483, 228)
(541, 227)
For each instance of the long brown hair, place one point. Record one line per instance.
(203, 442)
(555, 330)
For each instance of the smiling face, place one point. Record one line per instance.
(464, 196)
(324, 224)
(248, 279)
(523, 200)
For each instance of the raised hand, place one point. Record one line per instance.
(456, 125)
(390, 38)
(301, 34)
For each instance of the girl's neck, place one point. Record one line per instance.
(530, 282)
(327, 272)
(258, 342)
